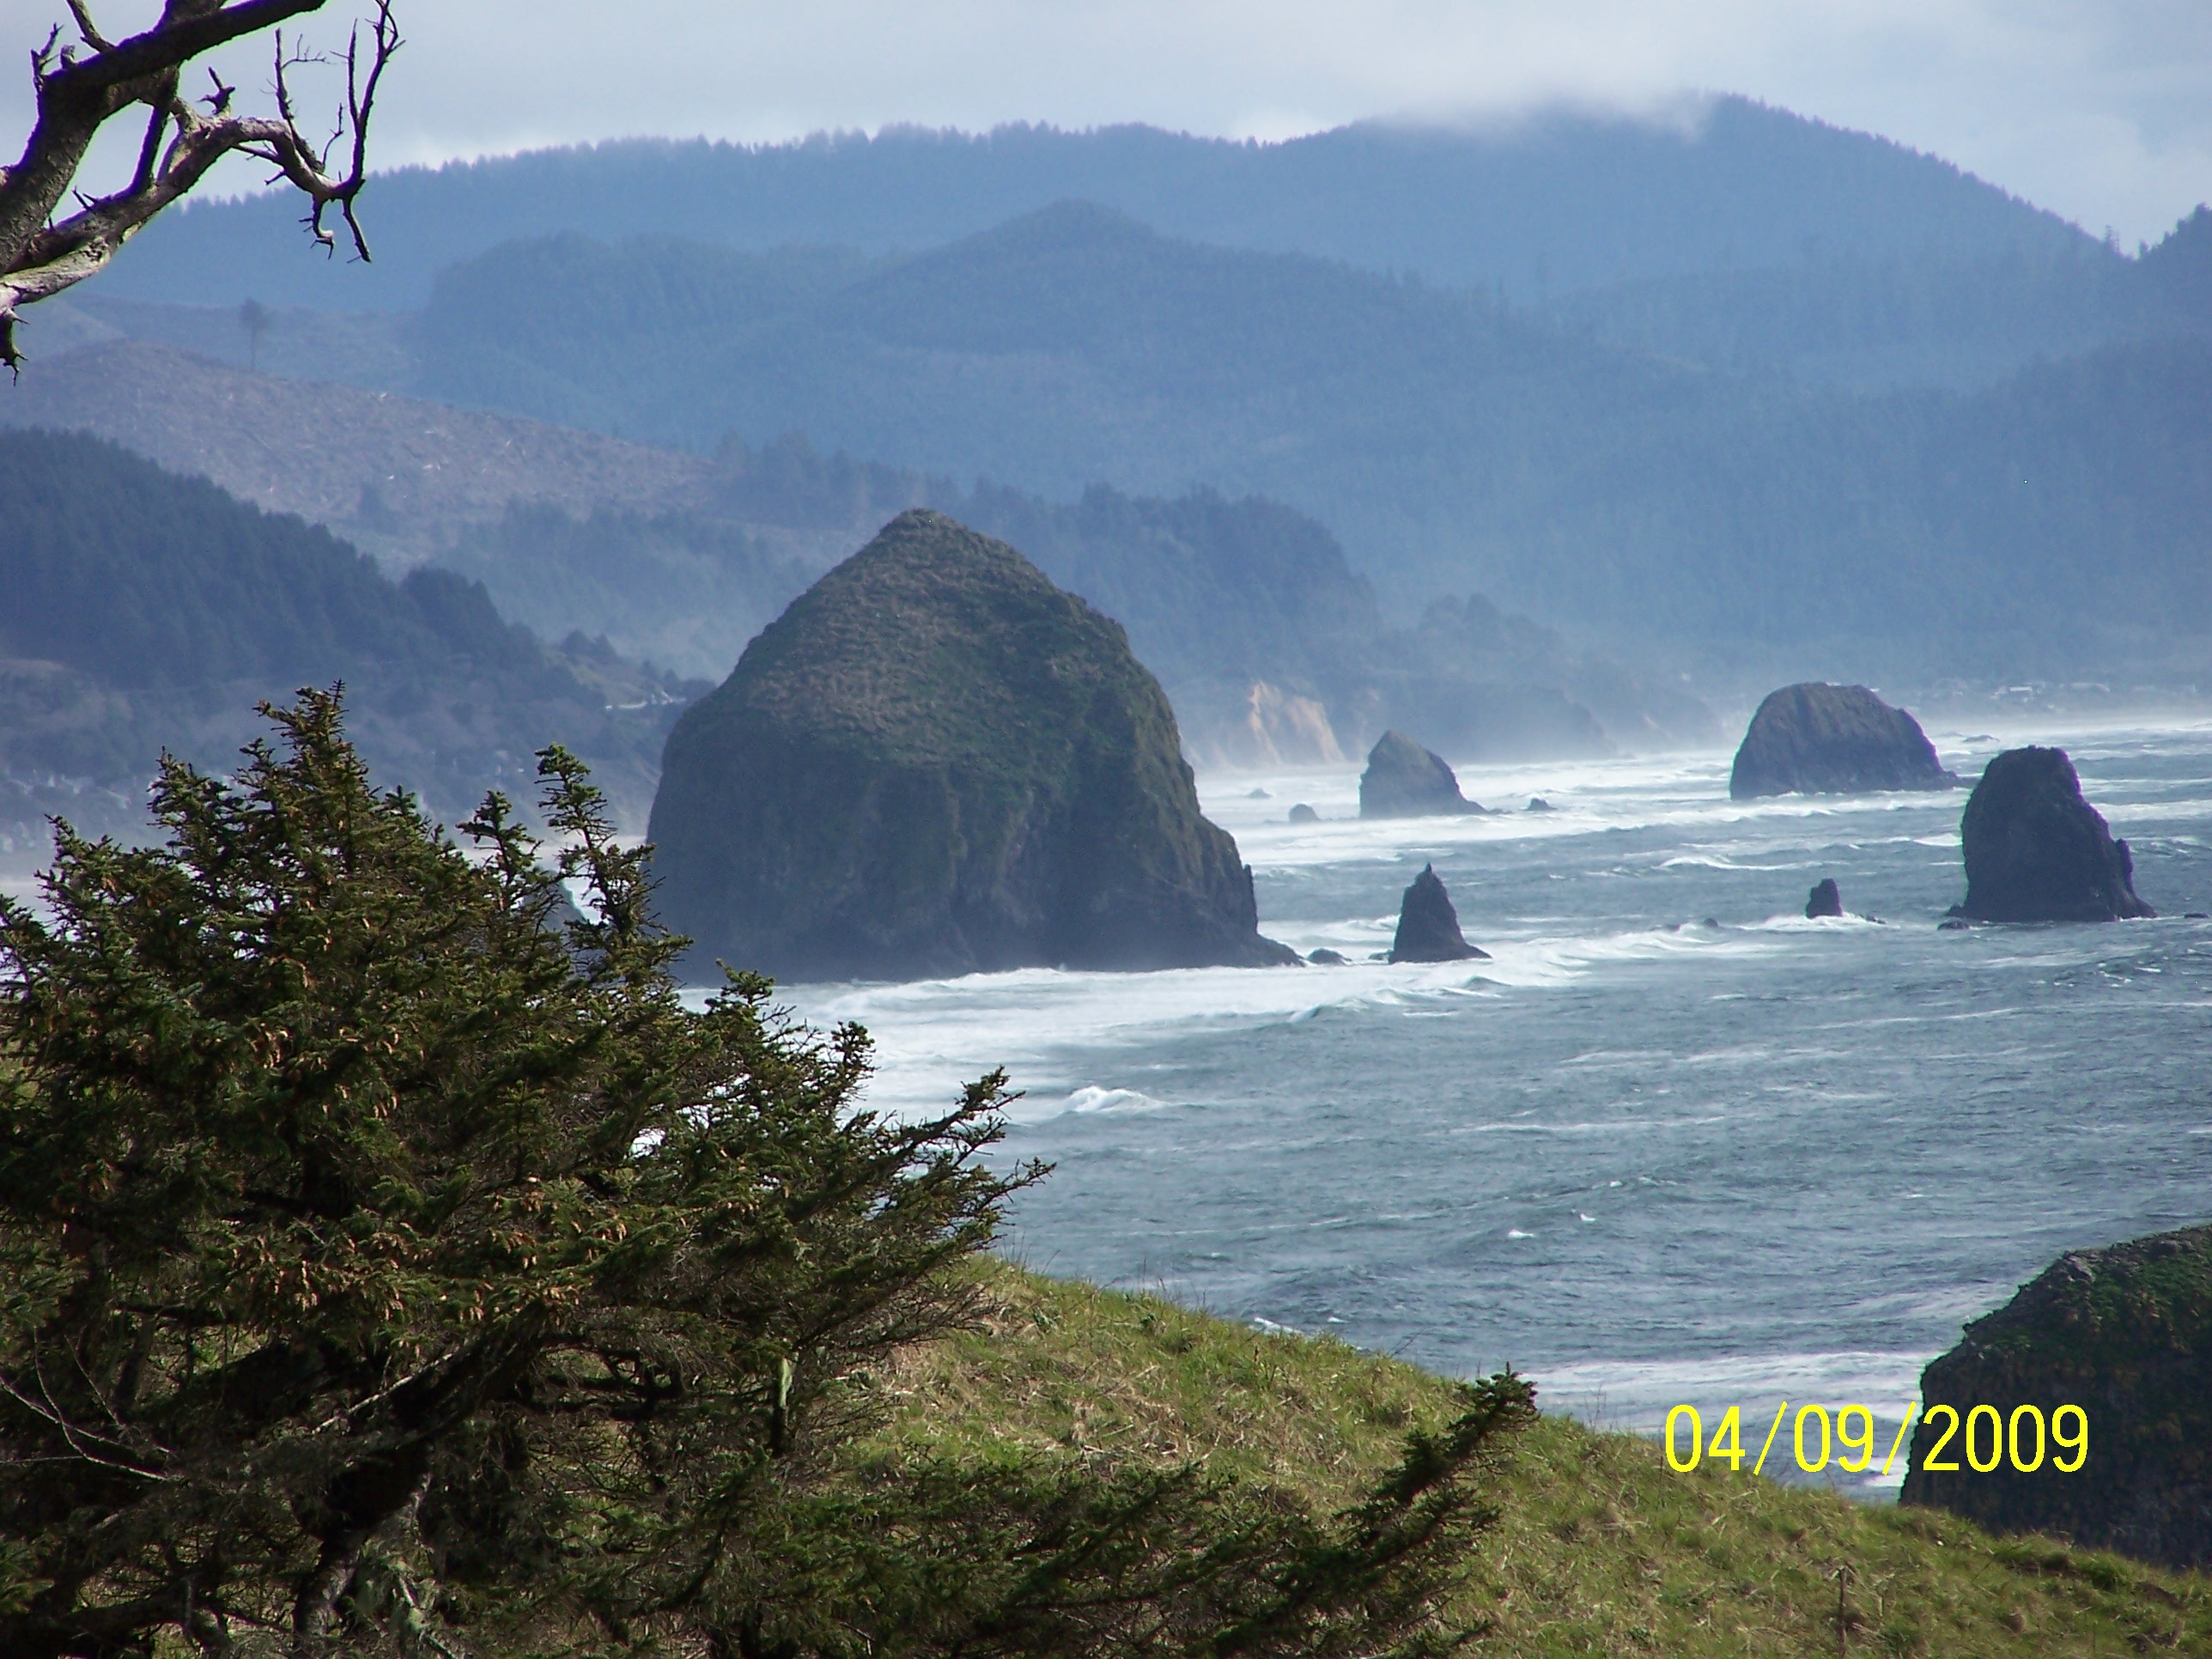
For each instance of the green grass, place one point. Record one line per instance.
(1600, 1548)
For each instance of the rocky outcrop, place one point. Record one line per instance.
(1825, 900)
(936, 763)
(1303, 813)
(1818, 740)
(2125, 1333)
(1428, 925)
(1405, 780)
(2037, 851)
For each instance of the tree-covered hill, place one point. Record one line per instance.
(142, 578)
(679, 558)
(1454, 444)
(1558, 203)
(1875, 325)
(141, 612)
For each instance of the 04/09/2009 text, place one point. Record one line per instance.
(1990, 1440)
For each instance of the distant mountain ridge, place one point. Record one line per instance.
(1455, 444)
(1556, 203)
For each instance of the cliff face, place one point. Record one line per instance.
(936, 763)
(1818, 740)
(2126, 1334)
(2037, 851)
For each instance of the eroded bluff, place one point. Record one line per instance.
(938, 762)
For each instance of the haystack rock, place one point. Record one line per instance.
(937, 763)
(1428, 925)
(1818, 740)
(2037, 851)
(1825, 900)
(2124, 1333)
(1405, 780)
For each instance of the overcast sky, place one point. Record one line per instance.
(2099, 109)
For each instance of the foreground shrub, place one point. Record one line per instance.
(391, 1262)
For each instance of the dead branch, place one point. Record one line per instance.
(77, 94)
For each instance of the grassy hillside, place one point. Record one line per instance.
(1600, 1548)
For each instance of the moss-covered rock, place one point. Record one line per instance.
(935, 762)
(2126, 1334)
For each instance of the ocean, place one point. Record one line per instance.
(1674, 1144)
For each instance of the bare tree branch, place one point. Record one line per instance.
(42, 255)
(93, 37)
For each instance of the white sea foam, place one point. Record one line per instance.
(1635, 1396)
(1656, 1160)
(1040, 1022)
(1092, 1098)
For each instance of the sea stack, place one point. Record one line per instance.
(2037, 851)
(1428, 925)
(2124, 1335)
(1405, 780)
(937, 763)
(1825, 900)
(1818, 740)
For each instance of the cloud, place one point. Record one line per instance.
(2099, 109)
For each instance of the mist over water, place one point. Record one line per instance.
(1674, 1142)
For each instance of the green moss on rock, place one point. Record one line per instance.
(2125, 1333)
(935, 762)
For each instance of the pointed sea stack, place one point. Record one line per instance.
(1428, 925)
(1825, 900)
(937, 763)
(2037, 851)
(1818, 740)
(1405, 780)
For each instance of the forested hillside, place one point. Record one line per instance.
(1455, 444)
(1561, 202)
(678, 559)
(1672, 504)
(140, 611)
(1875, 325)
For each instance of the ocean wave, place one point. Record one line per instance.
(1090, 1098)
(1788, 923)
(1604, 1126)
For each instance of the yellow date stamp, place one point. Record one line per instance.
(1988, 1439)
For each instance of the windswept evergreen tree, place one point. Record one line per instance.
(391, 1262)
